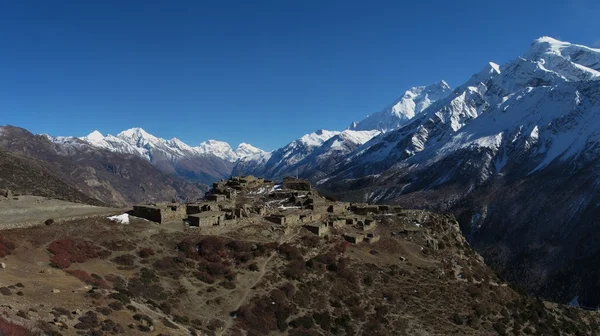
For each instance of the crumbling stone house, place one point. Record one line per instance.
(284, 219)
(160, 213)
(337, 223)
(367, 224)
(364, 209)
(338, 207)
(206, 219)
(310, 217)
(241, 212)
(371, 238)
(216, 197)
(354, 238)
(195, 208)
(295, 184)
(319, 229)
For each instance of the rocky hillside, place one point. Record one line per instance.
(112, 178)
(259, 278)
(25, 175)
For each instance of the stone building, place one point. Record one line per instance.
(319, 229)
(337, 223)
(160, 213)
(364, 209)
(195, 208)
(295, 184)
(338, 207)
(371, 238)
(367, 224)
(310, 217)
(216, 197)
(354, 238)
(284, 218)
(206, 219)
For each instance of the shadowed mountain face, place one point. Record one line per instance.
(25, 175)
(514, 153)
(112, 178)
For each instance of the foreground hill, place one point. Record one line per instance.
(79, 172)
(255, 277)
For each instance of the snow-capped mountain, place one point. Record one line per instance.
(515, 154)
(413, 102)
(280, 161)
(138, 141)
(245, 150)
(311, 156)
(72, 169)
(210, 161)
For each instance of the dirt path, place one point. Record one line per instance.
(263, 271)
(26, 211)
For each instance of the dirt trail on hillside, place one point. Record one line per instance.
(25, 211)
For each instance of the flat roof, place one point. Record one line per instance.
(207, 214)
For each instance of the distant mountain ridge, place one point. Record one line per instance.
(72, 169)
(210, 161)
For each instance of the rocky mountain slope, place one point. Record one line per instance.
(24, 175)
(112, 178)
(513, 152)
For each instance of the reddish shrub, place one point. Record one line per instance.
(67, 251)
(7, 328)
(124, 260)
(213, 268)
(290, 252)
(6, 246)
(204, 277)
(93, 279)
(342, 247)
(212, 246)
(239, 246)
(145, 252)
(295, 269)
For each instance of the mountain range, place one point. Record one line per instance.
(513, 153)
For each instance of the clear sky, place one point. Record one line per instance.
(262, 72)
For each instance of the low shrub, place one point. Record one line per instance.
(6, 246)
(7, 328)
(145, 252)
(90, 279)
(124, 260)
(68, 251)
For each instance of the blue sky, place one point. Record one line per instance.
(263, 72)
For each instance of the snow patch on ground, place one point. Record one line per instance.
(120, 219)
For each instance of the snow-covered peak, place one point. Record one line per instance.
(315, 139)
(139, 136)
(180, 145)
(95, 136)
(217, 148)
(245, 150)
(414, 101)
(573, 62)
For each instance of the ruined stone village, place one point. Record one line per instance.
(247, 199)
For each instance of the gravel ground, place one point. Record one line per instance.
(23, 211)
